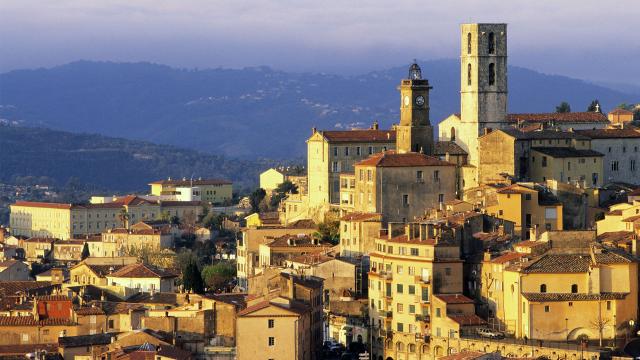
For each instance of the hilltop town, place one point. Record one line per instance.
(501, 235)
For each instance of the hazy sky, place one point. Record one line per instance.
(589, 39)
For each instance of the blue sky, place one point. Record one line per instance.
(588, 39)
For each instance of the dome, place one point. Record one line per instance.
(415, 73)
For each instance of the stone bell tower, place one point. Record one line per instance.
(483, 82)
(414, 134)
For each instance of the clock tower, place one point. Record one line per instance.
(414, 134)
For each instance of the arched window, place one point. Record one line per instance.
(492, 74)
(399, 346)
(491, 46)
(453, 134)
(469, 74)
(543, 288)
(574, 288)
(468, 43)
(412, 348)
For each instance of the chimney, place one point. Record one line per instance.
(487, 256)
(314, 130)
(375, 125)
(292, 292)
(634, 245)
(487, 130)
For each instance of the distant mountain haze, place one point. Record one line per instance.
(253, 112)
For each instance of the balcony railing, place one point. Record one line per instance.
(387, 275)
(384, 313)
(423, 317)
(423, 279)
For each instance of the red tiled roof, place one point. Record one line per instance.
(417, 241)
(358, 216)
(610, 133)
(294, 306)
(393, 159)
(53, 298)
(454, 299)
(568, 117)
(504, 258)
(467, 320)
(632, 218)
(22, 349)
(365, 136)
(189, 182)
(30, 321)
(43, 204)
(141, 271)
(530, 243)
(515, 189)
(89, 310)
(620, 111)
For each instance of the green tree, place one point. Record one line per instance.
(281, 192)
(564, 107)
(218, 275)
(594, 106)
(191, 279)
(85, 251)
(256, 198)
(329, 231)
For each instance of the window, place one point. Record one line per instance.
(543, 288)
(412, 309)
(346, 151)
(405, 200)
(419, 176)
(399, 267)
(436, 176)
(546, 308)
(335, 151)
(399, 307)
(399, 289)
(570, 304)
(568, 165)
(491, 47)
(370, 150)
(440, 198)
(438, 314)
(614, 165)
(111, 324)
(400, 328)
(500, 212)
(527, 196)
(492, 74)
(270, 323)
(574, 288)
(369, 175)
(544, 161)
(425, 294)
(335, 167)
(272, 341)
(447, 271)
(358, 152)
(469, 74)
(632, 165)
(608, 305)
(468, 43)
(414, 252)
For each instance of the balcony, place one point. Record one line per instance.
(423, 279)
(422, 337)
(386, 275)
(423, 317)
(385, 313)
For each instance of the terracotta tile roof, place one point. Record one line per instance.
(89, 310)
(632, 218)
(157, 298)
(566, 152)
(393, 159)
(620, 111)
(140, 270)
(10, 288)
(364, 136)
(302, 224)
(40, 240)
(358, 216)
(450, 147)
(569, 117)
(405, 239)
(516, 189)
(530, 243)
(572, 263)
(615, 237)
(8, 263)
(294, 306)
(454, 298)
(508, 257)
(610, 133)
(111, 308)
(550, 297)
(30, 321)
(312, 258)
(520, 134)
(467, 320)
(195, 182)
(239, 300)
(43, 204)
(53, 298)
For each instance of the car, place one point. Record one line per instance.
(489, 333)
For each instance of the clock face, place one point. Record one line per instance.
(406, 100)
(420, 100)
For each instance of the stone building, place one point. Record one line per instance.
(620, 148)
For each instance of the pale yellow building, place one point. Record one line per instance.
(566, 294)
(527, 208)
(620, 217)
(358, 232)
(271, 178)
(215, 191)
(66, 221)
(409, 267)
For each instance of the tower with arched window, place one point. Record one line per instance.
(483, 83)
(414, 133)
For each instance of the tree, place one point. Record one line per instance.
(594, 106)
(124, 218)
(218, 275)
(564, 107)
(85, 251)
(281, 191)
(600, 323)
(329, 231)
(256, 198)
(191, 278)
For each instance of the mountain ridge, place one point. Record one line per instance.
(250, 112)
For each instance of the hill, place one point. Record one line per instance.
(252, 112)
(109, 164)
